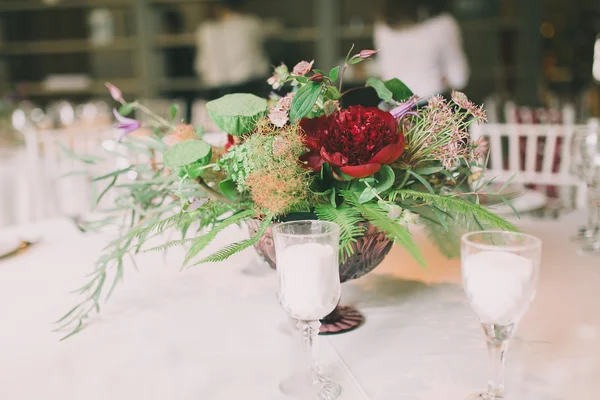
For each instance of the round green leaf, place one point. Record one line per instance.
(185, 153)
(237, 113)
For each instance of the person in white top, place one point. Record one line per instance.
(230, 48)
(426, 53)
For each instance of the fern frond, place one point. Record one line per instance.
(236, 247)
(204, 240)
(157, 226)
(392, 228)
(456, 206)
(349, 219)
(168, 245)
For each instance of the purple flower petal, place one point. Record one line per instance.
(128, 125)
(405, 108)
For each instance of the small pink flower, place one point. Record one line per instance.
(285, 103)
(364, 54)
(115, 92)
(278, 117)
(280, 75)
(302, 68)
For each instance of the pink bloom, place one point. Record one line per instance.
(302, 68)
(115, 92)
(280, 75)
(285, 103)
(278, 117)
(364, 54)
(463, 102)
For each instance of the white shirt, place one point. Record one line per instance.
(428, 57)
(231, 51)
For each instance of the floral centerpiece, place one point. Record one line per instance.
(297, 155)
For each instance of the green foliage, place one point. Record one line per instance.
(348, 219)
(173, 111)
(383, 92)
(384, 180)
(236, 247)
(201, 242)
(400, 92)
(127, 108)
(304, 101)
(392, 228)
(453, 205)
(227, 187)
(186, 153)
(237, 113)
(84, 158)
(334, 73)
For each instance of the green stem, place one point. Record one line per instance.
(151, 114)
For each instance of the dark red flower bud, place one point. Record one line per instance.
(317, 78)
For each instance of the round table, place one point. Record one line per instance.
(214, 332)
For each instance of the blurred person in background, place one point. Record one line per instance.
(422, 46)
(230, 53)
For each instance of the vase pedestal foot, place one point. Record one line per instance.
(342, 319)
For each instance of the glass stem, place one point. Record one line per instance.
(593, 212)
(497, 337)
(497, 351)
(310, 331)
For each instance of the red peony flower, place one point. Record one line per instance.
(358, 140)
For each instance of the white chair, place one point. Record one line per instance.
(508, 152)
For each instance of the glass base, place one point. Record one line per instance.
(585, 235)
(485, 396)
(341, 320)
(592, 249)
(305, 386)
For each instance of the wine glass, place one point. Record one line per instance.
(585, 163)
(309, 289)
(500, 272)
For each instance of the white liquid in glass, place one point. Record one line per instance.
(310, 281)
(496, 283)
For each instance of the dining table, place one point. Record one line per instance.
(216, 331)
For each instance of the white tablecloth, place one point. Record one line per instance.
(216, 333)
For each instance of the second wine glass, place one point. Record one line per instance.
(500, 272)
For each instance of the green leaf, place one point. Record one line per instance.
(127, 109)
(332, 93)
(400, 92)
(349, 53)
(204, 240)
(85, 158)
(304, 101)
(393, 229)
(505, 185)
(173, 111)
(319, 71)
(455, 206)
(114, 173)
(348, 219)
(227, 187)
(234, 248)
(382, 91)
(429, 170)
(441, 217)
(384, 180)
(111, 184)
(423, 181)
(334, 73)
(185, 153)
(237, 113)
